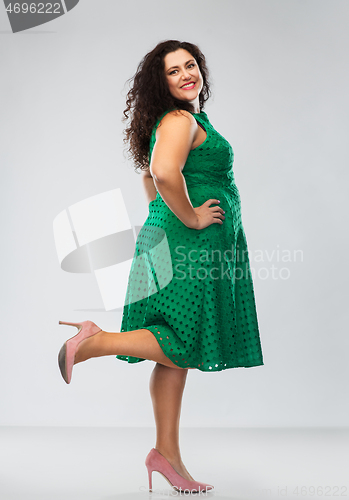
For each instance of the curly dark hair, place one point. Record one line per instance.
(144, 107)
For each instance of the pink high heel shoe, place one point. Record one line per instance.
(157, 462)
(67, 353)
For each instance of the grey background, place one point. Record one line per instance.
(279, 78)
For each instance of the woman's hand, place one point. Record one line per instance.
(208, 215)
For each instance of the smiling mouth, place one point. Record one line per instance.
(189, 85)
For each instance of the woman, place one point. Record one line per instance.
(190, 299)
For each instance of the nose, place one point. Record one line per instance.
(186, 74)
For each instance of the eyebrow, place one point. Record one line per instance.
(172, 67)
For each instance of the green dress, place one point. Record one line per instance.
(193, 288)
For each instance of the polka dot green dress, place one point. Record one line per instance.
(193, 288)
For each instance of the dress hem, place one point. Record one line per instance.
(215, 369)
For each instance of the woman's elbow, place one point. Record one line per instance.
(165, 173)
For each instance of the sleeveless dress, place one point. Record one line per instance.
(193, 288)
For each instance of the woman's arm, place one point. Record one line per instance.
(174, 139)
(149, 187)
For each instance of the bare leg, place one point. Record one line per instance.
(138, 343)
(166, 389)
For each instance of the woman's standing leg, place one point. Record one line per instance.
(166, 390)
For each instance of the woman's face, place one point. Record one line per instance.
(183, 75)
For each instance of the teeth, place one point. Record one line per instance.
(187, 85)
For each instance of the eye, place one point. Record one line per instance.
(189, 66)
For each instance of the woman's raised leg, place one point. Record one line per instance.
(138, 343)
(166, 390)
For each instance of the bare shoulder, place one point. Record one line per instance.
(176, 120)
(174, 140)
(178, 114)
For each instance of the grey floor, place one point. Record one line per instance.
(108, 463)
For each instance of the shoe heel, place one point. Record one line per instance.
(71, 324)
(150, 479)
